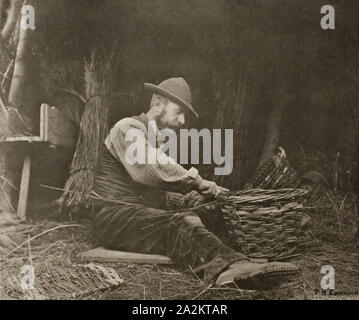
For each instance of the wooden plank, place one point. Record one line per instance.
(56, 128)
(104, 255)
(24, 187)
(23, 139)
(43, 121)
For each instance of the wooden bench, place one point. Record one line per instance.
(56, 130)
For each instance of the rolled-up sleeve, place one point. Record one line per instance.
(169, 176)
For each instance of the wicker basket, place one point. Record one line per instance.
(264, 223)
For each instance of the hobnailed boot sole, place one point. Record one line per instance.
(266, 276)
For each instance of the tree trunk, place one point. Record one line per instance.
(271, 143)
(273, 132)
(12, 16)
(2, 8)
(6, 61)
(24, 91)
(280, 99)
(22, 101)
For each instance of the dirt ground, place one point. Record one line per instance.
(59, 248)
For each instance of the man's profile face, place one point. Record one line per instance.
(173, 116)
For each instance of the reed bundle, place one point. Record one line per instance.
(93, 130)
(275, 173)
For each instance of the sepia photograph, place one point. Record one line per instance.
(189, 151)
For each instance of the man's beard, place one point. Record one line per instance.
(161, 124)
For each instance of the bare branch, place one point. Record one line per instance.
(3, 109)
(76, 94)
(7, 72)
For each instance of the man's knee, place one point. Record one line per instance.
(193, 219)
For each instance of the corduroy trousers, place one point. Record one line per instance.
(182, 236)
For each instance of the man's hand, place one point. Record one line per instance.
(210, 189)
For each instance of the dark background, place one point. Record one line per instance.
(241, 58)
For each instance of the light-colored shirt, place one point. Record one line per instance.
(171, 176)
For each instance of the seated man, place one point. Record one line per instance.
(141, 221)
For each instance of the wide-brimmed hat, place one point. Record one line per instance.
(177, 90)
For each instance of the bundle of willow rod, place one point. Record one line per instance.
(255, 196)
(275, 173)
(93, 130)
